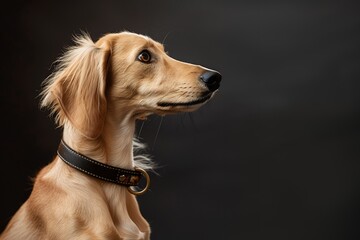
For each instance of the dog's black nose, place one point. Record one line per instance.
(211, 79)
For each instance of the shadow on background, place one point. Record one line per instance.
(274, 155)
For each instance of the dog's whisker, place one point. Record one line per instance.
(192, 120)
(182, 116)
(190, 117)
(163, 41)
(142, 125)
(157, 132)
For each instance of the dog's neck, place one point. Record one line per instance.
(118, 141)
(114, 147)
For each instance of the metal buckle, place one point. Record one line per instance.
(147, 177)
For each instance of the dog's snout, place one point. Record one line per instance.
(211, 79)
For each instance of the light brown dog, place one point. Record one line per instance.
(97, 93)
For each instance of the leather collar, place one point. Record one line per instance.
(102, 171)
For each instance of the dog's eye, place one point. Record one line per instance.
(144, 56)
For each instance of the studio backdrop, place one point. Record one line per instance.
(274, 155)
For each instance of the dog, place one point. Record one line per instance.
(97, 93)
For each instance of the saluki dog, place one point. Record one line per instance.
(96, 94)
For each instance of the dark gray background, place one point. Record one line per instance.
(275, 155)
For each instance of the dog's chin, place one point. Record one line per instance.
(163, 108)
(183, 106)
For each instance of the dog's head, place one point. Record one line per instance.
(123, 72)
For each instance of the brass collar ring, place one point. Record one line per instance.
(147, 179)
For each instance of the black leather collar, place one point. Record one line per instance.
(99, 170)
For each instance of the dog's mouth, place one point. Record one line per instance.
(190, 103)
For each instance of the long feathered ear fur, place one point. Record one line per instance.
(75, 92)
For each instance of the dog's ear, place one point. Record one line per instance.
(76, 91)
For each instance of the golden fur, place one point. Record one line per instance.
(96, 94)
